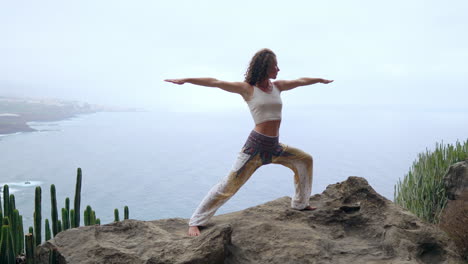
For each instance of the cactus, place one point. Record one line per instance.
(21, 233)
(67, 206)
(72, 218)
(65, 219)
(126, 213)
(7, 249)
(1, 212)
(78, 197)
(116, 215)
(13, 240)
(53, 256)
(3, 244)
(16, 232)
(30, 258)
(93, 218)
(85, 218)
(54, 211)
(87, 215)
(12, 219)
(12, 204)
(12, 230)
(38, 216)
(47, 230)
(6, 200)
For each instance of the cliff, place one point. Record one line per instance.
(353, 224)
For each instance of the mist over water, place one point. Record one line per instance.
(161, 164)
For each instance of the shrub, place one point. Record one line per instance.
(422, 190)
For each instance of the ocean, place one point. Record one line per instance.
(161, 164)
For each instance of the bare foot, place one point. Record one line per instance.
(193, 231)
(309, 208)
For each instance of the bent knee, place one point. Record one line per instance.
(309, 159)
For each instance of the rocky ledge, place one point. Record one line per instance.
(353, 224)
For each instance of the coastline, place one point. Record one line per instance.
(20, 124)
(15, 113)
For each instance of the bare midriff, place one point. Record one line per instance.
(269, 128)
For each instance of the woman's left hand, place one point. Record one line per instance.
(326, 81)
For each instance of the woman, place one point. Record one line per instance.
(262, 146)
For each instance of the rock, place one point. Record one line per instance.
(131, 241)
(456, 180)
(353, 224)
(454, 217)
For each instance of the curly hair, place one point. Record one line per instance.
(259, 65)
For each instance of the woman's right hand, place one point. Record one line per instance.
(176, 81)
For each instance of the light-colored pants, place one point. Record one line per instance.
(252, 156)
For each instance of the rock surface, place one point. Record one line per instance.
(353, 224)
(456, 180)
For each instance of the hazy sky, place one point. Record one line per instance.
(118, 52)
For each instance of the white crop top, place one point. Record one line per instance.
(265, 106)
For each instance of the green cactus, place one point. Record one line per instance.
(72, 218)
(116, 215)
(93, 218)
(14, 241)
(53, 256)
(12, 203)
(47, 230)
(126, 213)
(16, 232)
(6, 200)
(30, 257)
(14, 220)
(65, 219)
(78, 197)
(3, 245)
(7, 247)
(12, 230)
(67, 206)
(87, 215)
(38, 216)
(54, 211)
(1, 211)
(21, 233)
(85, 218)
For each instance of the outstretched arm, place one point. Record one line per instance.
(233, 87)
(288, 85)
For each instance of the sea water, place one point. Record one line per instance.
(161, 164)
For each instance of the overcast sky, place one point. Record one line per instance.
(118, 52)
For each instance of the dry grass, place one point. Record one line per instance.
(454, 221)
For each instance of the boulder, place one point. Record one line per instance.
(353, 224)
(456, 180)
